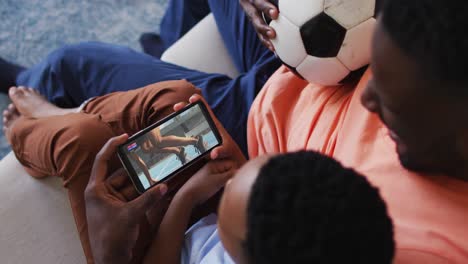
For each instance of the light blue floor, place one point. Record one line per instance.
(172, 163)
(30, 29)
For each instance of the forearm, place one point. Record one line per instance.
(167, 245)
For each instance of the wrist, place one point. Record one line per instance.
(186, 197)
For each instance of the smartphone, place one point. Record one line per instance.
(169, 146)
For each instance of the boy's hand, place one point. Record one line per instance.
(113, 224)
(229, 149)
(207, 181)
(254, 9)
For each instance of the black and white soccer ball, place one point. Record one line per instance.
(324, 41)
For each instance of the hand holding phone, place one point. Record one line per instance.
(105, 219)
(164, 149)
(206, 182)
(229, 149)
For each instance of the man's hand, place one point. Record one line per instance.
(207, 182)
(254, 9)
(113, 223)
(229, 149)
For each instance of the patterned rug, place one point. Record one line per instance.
(30, 29)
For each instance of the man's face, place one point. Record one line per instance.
(421, 123)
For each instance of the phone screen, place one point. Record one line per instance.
(165, 148)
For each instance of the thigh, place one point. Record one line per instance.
(67, 146)
(130, 111)
(75, 73)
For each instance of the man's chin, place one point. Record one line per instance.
(415, 165)
(408, 164)
(422, 162)
(407, 161)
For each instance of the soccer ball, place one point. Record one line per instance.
(324, 41)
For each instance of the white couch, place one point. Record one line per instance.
(36, 223)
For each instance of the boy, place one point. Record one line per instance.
(293, 208)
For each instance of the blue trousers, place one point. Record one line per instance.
(74, 73)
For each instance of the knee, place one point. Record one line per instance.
(172, 92)
(162, 97)
(186, 90)
(71, 54)
(80, 140)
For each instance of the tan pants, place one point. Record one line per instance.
(65, 146)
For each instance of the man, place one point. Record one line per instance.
(414, 99)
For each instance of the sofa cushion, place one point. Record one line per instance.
(193, 51)
(37, 225)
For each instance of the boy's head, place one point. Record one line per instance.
(420, 82)
(303, 208)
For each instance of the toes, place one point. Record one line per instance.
(6, 117)
(12, 108)
(10, 113)
(12, 91)
(22, 90)
(6, 120)
(33, 90)
(17, 92)
(6, 113)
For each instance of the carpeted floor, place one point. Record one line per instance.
(30, 29)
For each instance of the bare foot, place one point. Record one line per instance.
(10, 115)
(30, 103)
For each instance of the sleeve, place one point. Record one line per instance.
(269, 113)
(410, 256)
(203, 244)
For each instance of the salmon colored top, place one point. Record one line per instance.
(430, 213)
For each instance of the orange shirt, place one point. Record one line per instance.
(430, 213)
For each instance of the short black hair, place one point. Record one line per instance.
(434, 34)
(307, 208)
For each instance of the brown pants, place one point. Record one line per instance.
(65, 146)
